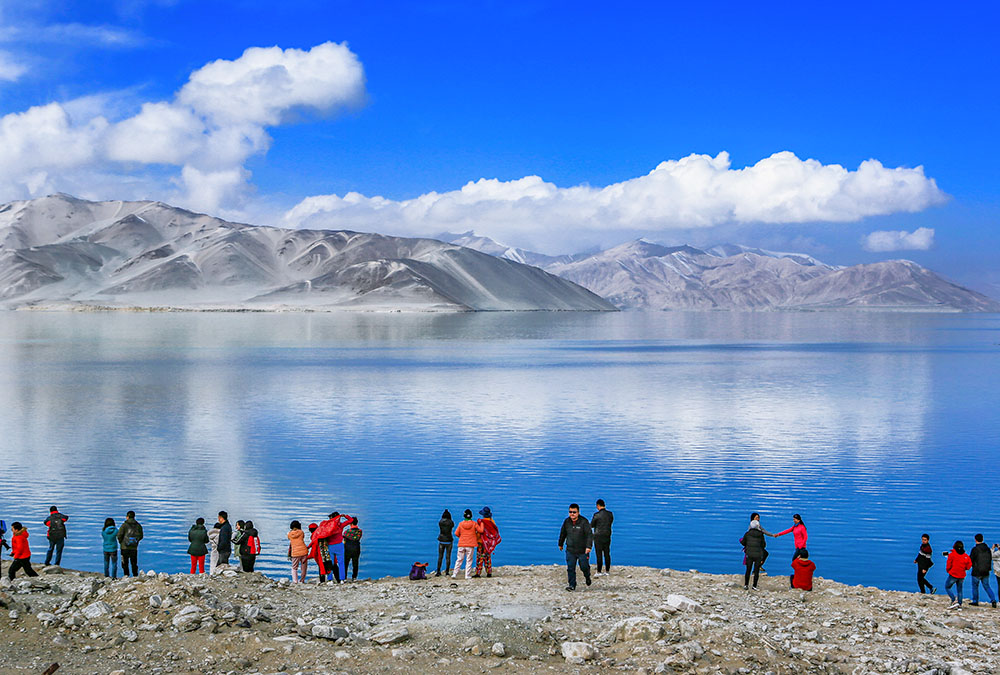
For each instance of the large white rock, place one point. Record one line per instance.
(682, 603)
(97, 609)
(578, 652)
(635, 628)
(391, 635)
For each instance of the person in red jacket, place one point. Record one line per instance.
(803, 575)
(957, 565)
(799, 535)
(20, 552)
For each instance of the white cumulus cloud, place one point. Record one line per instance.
(694, 192)
(920, 239)
(202, 137)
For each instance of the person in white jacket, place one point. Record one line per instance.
(213, 548)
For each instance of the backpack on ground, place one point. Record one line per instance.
(57, 528)
(418, 571)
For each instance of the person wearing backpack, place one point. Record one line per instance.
(20, 552)
(249, 546)
(56, 522)
(109, 545)
(225, 547)
(352, 547)
(982, 566)
(445, 541)
(129, 536)
(198, 549)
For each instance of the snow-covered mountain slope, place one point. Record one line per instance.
(643, 275)
(492, 247)
(59, 249)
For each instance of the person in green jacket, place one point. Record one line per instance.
(198, 536)
(129, 536)
(109, 535)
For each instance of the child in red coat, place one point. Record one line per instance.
(20, 551)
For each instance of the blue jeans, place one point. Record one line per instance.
(572, 559)
(954, 581)
(57, 546)
(985, 581)
(111, 557)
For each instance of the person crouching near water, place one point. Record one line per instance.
(924, 563)
(754, 549)
(109, 545)
(19, 552)
(486, 542)
(319, 552)
(298, 552)
(198, 548)
(468, 539)
(802, 577)
(957, 565)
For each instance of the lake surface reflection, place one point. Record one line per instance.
(875, 427)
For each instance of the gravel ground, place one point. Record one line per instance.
(522, 620)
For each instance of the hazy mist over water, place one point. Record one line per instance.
(875, 427)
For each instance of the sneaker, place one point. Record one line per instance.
(974, 604)
(571, 588)
(437, 574)
(754, 588)
(933, 590)
(589, 581)
(489, 575)
(746, 588)
(954, 605)
(994, 604)
(476, 576)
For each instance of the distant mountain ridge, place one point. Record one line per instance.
(641, 274)
(60, 249)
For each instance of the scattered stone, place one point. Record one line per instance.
(52, 569)
(498, 649)
(97, 609)
(155, 601)
(391, 636)
(578, 652)
(636, 628)
(682, 603)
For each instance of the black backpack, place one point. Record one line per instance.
(57, 528)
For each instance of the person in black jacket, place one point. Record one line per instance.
(225, 547)
(249, 546)
(56, 522)
(579, 539)
(753, 547)
(446, 540)
(924, 563)
(601, 523)
(982, 567)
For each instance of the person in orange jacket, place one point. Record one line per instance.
(468, 539)
(957, 565)
(20, 552)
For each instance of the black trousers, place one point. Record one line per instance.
(752, 566)
(444, 552)
(21, 564)
(248, 562)
(224, 557)
(352, 553)
(602, 547)
(130, 555)
(922, 580)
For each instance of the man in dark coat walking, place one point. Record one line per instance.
(579, 539)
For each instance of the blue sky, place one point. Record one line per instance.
(582, 94)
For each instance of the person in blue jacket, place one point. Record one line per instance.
(110, 536)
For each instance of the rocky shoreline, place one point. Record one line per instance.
(638, 620)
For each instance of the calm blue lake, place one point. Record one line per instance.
(875, 427)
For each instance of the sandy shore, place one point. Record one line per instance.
(639, 620)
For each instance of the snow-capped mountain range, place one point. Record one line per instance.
(644, 275)
(61, 250)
